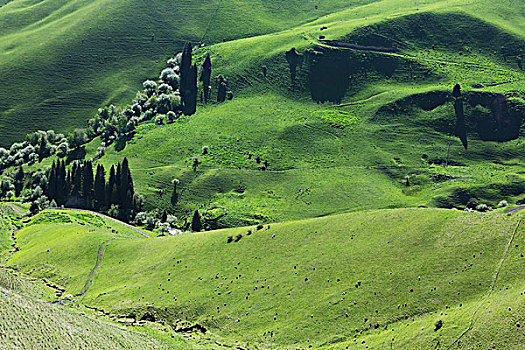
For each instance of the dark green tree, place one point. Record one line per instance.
(222, 88)
(460, 129)
(188, 81)
(62, 183)
(100, 188)
(164, 216)
(174, 194)
(19, 181)
(118, 184)
(206, 77)
(196, 223)
(43, 150)
(126, 191)
(109, 188)
(51, 191)
(87, 184)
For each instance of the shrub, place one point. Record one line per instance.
(503, 204)
(163, 103)
(172, 116)
(172, 63)
(149, 87)
(62, 149)
(140, 98)
(148, 115)
(205, 150)
(159, 120)
(169, 77)
(165, 89)
(482, 207)
(136, 108)
(171, 220)
(77, 138)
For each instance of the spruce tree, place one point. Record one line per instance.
(52, 183)
(190, 96)
(19, 181)
(206, 77)
(76, 181)
(164, 216)
(62, 183)
(174, 194)
(100, 188)
(110, 186)
(87, 183)
(124, 184)
(196, 224)
(222, 88)
(188, 81)
(118, 185)
(42, 149)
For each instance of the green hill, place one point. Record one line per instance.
(396, 119)
(63, 59)
(373, 276)
(28, 322)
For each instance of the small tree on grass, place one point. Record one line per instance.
(77, 138)
(196, 223)
(206, 77)
(175, 195)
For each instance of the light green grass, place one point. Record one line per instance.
(364, 153)
(310, 267)
(27, 322)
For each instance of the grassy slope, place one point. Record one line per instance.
(29, 323)
(311, 268)
(63, 59)
(297, 136)
(365, 151)
(7, 219)
(70, 227)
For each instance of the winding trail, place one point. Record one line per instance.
(14, 231)
(91, 277)
(514, 210)
(492, 286)
(15, 208)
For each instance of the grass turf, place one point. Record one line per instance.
(371, 275)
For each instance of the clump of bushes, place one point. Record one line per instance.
(503, 204)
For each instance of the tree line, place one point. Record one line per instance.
(82, 187)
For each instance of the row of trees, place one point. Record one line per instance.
(173, 94)
(80, 187)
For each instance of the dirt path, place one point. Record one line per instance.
(15, 208)
(513, 210)
(492, 285)
(109, 218)
(14, 231)
(91, 277)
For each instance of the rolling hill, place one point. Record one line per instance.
(340, 186)
(370, 278)
(63, 59)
